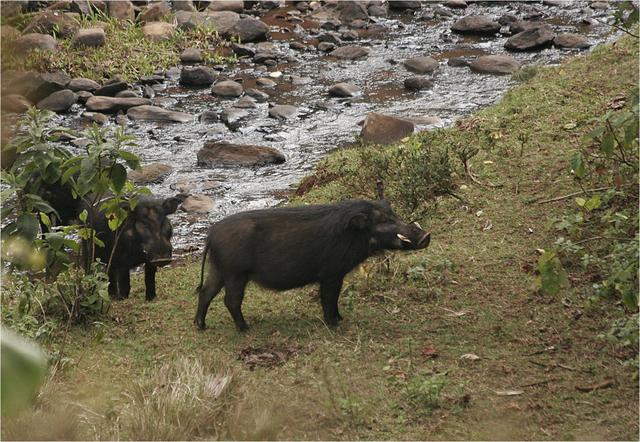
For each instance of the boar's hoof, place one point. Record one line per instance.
(200, 323)
(150, 296)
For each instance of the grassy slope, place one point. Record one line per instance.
(391, 315)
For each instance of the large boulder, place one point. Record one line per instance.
(50, 22)
(121, 10)
(227, 88)
(571, 41)
(421, 65)
(197, 76)
(59, 101)
(226, 154)
(155, 113)
(250, 29)
(476, 24)
(42, 42)
(36, 86)
(111, 105)
(92, 37)
(383, 129)
(534, 38)
(495, 64)
(226, 5)
(154, 12)
(150, 173)
(350, 52)
(158, 30)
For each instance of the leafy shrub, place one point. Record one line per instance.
(424, 388)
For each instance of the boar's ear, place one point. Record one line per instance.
(170, 205)
(359, 221)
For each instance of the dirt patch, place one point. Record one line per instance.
(272, 356)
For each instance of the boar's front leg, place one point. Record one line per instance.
(124, 282)
(329, 294)
(150, 281)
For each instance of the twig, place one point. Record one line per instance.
(533, 384)
(604, 384)
(619, 28)
(558, 198)
(603, 237)
(467, 169)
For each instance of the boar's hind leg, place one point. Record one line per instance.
(149, 281)
(113, 283)
(208, 291)
(329, 294)
(234, 293)
(124, 282)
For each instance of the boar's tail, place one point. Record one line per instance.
(204, 261)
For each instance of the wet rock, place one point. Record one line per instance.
(148, 91)
(297, 80)
(283, 111)
(417, 83)
(152, 79)
(495, 64)
(36, 86)
(15, 103)
(121, 10)
(92, 37)
(191, 55)
(523, 25)
(150, 173)
(246, 102)
(325, 46)
(377, 10)
(599, 5)
(458, 62)
(243, 50)
(112, 105)
(158, 30)
(209, 116)
(553, 2)
(330, 37)
(111, 89)
(221, 21)
(227, 88)
(358, 24)
(83, 96)
(349, 11)
(184, 5)
(226, 154)
(59, 101)
(233, 117)
(127, 94)
(226, 5)
(95, 117)
(350, 52)
(507, 19)
(155, 113)
(41, 42)
(197, 76)
(296, 45)
(50, 22)
(266, 82)
(349, 35)
(259, 95)
(531, 39)
(266, 56)
(421, 65)
(456, 4)
(383, 129)
(568, 40)
(476, 24)
(154, 12)
(344, 90)
(86, 7)
(250, 29)
(197, 204)
(404, 5)
(331, 25)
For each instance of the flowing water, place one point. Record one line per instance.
(325, 123)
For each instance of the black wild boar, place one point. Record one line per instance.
(285, 248)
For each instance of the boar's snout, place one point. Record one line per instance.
(415, 238)
(159, 262)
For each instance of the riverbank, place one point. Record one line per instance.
(453, 342)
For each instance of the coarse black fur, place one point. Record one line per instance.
(285, 248)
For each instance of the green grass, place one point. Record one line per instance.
(472, 291)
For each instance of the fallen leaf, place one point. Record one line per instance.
(470, 356)
(429, 351)
(569, 126)
(509, 392)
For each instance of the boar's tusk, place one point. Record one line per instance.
(403, 238)
(415, 223)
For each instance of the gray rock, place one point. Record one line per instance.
(36, 86)
(93, 37)
(296, 45)
(476, 24)
(154, 12)
(197, 204)
(42, 42)
(523, 25)
(111, 89)
(226, 154)
(112, 105)
(350, 52)
(568, 40)
(246, 102)
(226, 5)
(15, 103)
(155, 113)
(344, 90)
(259, 95)
(377, 10)
(421, 65)
(95, 117)
(191, 55)
(325, 46)
(404, 5)
(227, 88)
(250, 29)
(383, 129)
(266, 82)
(184, 5)
(531, 39)
(417, 83)
(50, 22)
(349, 11)
(83, 96)
(158, 30)
(456, 4)
(127, 94)
(330, 37)
(458, 62)
(495, 64)
(83, 84)
(152, 79)
(209, 116)
(283, 111)
(59, 101)
(121, 10)
(233, 117)
(243, 50)
(197, 76)
(150, 173)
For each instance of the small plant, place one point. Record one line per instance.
(424, 388)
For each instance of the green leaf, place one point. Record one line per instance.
(71, 171)
(581, 201)
(83, 216)
(118, 177)
(27, 225)
(592, 203)
(607, 144)
(132, 160)
(552, 274)
(577, 164)
(44, 218)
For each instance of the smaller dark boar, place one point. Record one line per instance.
(145, 239)
(286, 248)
